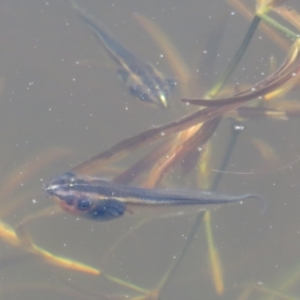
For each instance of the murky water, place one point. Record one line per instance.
(61, 97)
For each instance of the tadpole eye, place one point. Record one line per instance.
(84, 204)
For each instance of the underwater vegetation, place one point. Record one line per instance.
(161, 176)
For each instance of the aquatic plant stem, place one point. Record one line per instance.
(212, 93)
(286, 31)
(236, 59)
(231, 144)
(126, 284)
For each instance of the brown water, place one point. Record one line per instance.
(61, 92)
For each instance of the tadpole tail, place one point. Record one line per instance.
(260, 199)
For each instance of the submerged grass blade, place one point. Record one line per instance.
(214, 258)
(150, 136)
(195, 136)
(126, 284)
(27, 243)
(274, 112)
(145, 163)
(236, 59)
(270, 32)
(289, 14)
(8, 235)
(63, 262)
(286, 31)
(286, 72)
